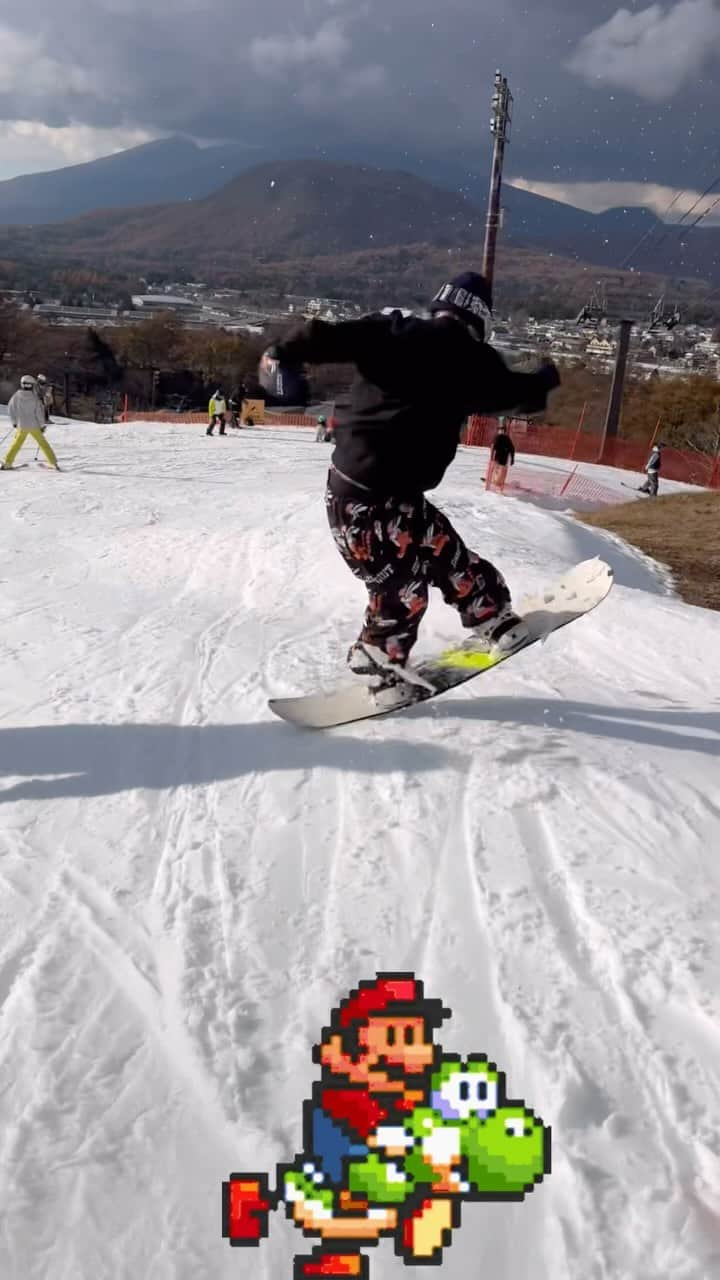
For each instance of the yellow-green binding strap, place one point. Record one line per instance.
(471, 660)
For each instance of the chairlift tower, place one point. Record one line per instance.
(500, 125)
(610, 306)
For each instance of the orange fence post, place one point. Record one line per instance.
(567, 482)
(579, 429)
(655, 433)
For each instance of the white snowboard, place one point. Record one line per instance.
(579, 591)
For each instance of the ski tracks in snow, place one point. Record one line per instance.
(188, 885)
(586, 976)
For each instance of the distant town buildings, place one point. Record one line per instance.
(154, 302)
(681, 351)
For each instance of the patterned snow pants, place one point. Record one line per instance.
(399, 549)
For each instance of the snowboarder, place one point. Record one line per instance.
(27, 416)
(322, 435)
(417, 381)
(502, 455)
(652, 470)
(217, 410)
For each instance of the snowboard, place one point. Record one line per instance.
(576, 593)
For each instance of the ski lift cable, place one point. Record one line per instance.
(704, 214)
(651, 230)
(675, 226)
(678, 226)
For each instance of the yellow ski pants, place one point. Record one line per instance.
(21, 436)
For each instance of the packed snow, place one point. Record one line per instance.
(188, 885)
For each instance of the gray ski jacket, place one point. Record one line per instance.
(25, 411)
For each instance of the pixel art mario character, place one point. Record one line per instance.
(397, 1135)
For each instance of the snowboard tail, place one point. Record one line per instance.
(578, 592)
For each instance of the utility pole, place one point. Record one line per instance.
(614, 409)
(500, 124)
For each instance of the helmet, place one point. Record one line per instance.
(27, 383)
(41, 378)
(322, 420)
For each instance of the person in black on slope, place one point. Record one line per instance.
(502, 455)
(417, 381)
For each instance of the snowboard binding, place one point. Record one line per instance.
(381, 672)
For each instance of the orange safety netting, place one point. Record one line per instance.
(270, 420)
(583, 446)
(541, 441)
(550, 482)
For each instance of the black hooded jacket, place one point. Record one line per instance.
(417, 381)
(503, 449)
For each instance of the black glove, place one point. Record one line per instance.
(283, 384)
(547, 379)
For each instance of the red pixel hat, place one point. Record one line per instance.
(390, 993)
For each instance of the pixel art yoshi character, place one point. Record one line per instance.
(396, 1136)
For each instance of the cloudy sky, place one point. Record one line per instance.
(604, 95)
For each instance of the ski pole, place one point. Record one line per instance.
(43, 429)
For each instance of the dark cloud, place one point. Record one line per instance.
(602, 90)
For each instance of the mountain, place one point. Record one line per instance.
(292, 211)
(284, 210)
(306, 207)
(172, 169)
(176, 170)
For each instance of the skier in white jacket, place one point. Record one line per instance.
(27, 415)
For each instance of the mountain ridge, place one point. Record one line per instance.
(284, 211)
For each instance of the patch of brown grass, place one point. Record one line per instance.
(682, 531)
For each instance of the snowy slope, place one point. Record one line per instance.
(187, 885)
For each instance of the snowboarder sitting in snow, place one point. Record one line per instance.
(652, 470)
(27, 415)
(502, 455)
(417, 381)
